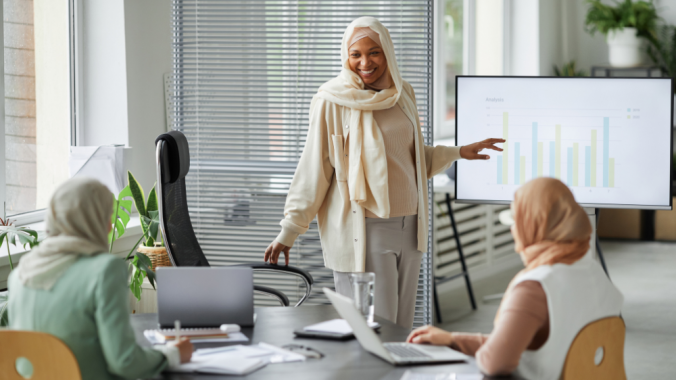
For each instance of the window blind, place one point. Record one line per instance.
(244, 73)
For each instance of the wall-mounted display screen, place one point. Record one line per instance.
(608, 139)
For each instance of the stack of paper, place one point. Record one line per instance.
(410, 375)
(237, 360)
(159, 337)
(334, 326)
(216, 365)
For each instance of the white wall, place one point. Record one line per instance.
(524, 38)
(126, 49)
(489, 38)
(550, 16)
(103, 74)
(148, 57)
(52, 82)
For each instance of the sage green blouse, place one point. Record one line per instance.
(88, 309)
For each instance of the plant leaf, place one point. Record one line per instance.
(24, 235)
(121, 215)
(152, 201)
(4, 301)
(137, 194)
(136, 279)
(145, 265)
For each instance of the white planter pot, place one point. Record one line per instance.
(624, 48)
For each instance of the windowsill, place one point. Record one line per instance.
(131, 235)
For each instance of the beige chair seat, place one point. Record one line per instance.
(49, 356)
(581, 363)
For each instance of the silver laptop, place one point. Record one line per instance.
(205, 296)
(394, 353)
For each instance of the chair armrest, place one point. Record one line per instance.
(303, 274)
(280, 268)
(281, 297)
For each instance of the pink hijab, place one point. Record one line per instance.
(549, 226)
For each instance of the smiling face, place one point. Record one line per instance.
(367, 60)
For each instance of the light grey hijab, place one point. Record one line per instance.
(78, 220)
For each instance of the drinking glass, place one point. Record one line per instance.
(363, 285)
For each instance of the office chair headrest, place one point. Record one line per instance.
(178, 154)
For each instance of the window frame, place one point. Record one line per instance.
(468, 60)
(468, 57)
(38, 215)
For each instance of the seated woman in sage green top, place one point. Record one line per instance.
(70, 288)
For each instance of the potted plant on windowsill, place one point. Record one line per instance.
(150, 254)
(625, 25)
(10, 234)
(151, 243)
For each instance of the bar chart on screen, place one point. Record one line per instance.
(576, 148)
(608, 140)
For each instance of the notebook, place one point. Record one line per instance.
(240, 366)
(161, 336)
(337, 329)
(167, 335)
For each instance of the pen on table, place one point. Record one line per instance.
(177, 328)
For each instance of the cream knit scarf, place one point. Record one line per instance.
(367, 176)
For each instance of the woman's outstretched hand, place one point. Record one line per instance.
(471, 151)
(430, 335)
(274, 250)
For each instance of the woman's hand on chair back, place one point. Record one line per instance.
(274, 250)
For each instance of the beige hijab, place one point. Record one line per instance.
(366, 141)
(549, 226)
(78, 219)
(385, 80)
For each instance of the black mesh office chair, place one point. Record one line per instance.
(173, 163)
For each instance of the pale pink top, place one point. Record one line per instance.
(523, 325)
(397, 131)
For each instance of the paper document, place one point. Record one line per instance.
(223, 366)
(410, 375)
(335, 326)
(266, 352)
(234, 337)
(237, 360)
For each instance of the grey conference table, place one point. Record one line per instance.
(342, 360)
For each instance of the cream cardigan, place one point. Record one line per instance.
(315, 190)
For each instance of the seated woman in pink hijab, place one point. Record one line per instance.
(561, 290)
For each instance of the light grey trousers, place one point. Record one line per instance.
(392, 254)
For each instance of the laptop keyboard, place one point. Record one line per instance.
(405, 351)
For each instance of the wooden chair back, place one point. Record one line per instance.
(49, 356)
(584, 353)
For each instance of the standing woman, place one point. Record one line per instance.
(364, 173)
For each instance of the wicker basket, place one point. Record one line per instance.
(158, 256)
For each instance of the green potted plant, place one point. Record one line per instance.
(568, 70)
(624, 24)
(151, 248)
(141, 265)
(11, 234)
(662, 49)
